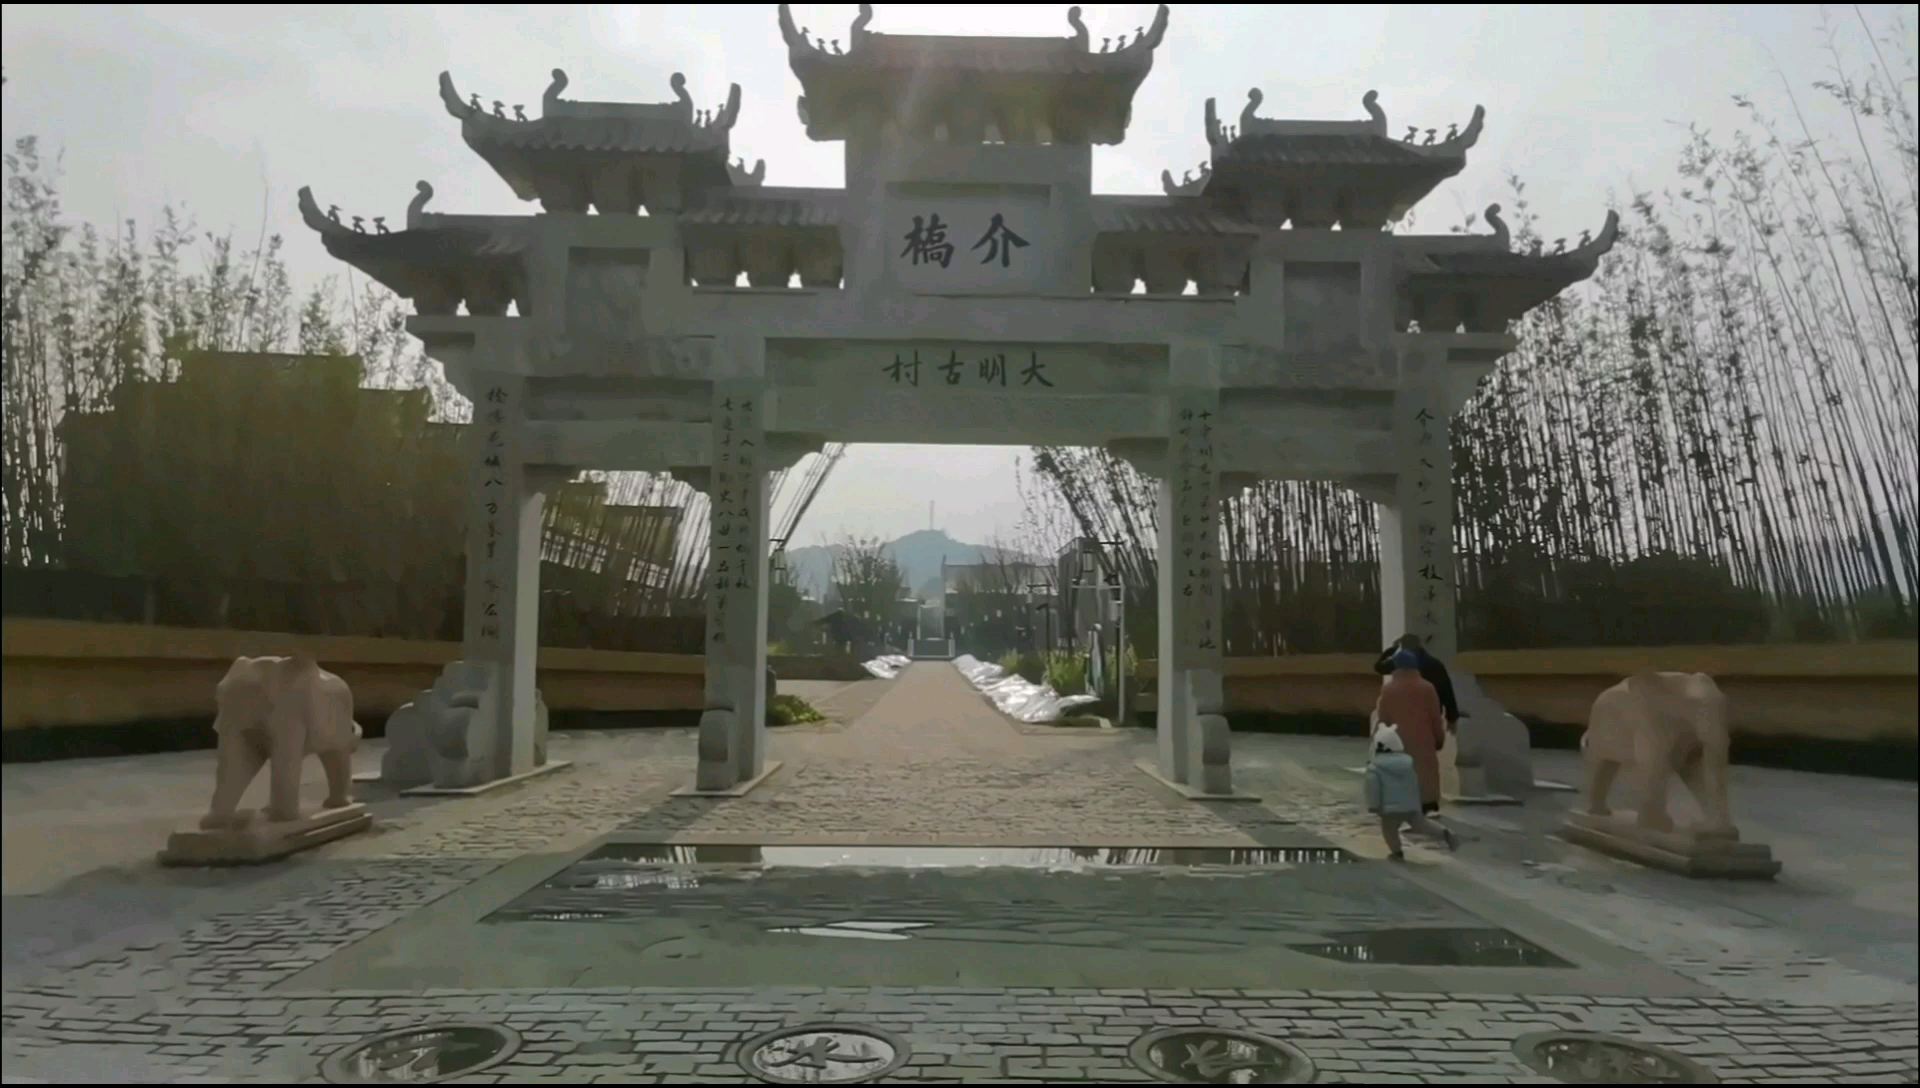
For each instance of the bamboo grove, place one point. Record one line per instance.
(1711, 441)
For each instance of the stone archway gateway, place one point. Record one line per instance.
(967, 286)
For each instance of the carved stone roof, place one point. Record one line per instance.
(1334, 149)
(768, 206)
(437, 265)
(435, 245)
(744, 178)
(1164, 215)
(1480, 282)
(1491, 255)
(904, 54)
(1320, 172)
(631, 135)
(1080, 95)
(570, 130)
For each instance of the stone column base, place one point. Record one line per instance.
(1495, 750)
(443, 739)
(1191, 793)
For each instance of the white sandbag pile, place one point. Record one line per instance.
(887, 666)
(1016, 698)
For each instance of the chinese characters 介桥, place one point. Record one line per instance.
(927, 242)
(1000, 242)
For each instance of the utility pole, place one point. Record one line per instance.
(1108, 570)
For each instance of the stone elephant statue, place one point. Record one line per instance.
(276, 711)
(1665, 724)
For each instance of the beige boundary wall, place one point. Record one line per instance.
(1857, 692)
(60, 672)
(66, 673)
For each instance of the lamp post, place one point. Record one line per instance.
(1086, 585)
(1103, 554)
(1036, 599)
(776, 566)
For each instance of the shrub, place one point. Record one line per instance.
(1067, 673)
(1025, 664)
(792, 710)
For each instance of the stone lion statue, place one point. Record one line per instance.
(277, 711)
(1665, 724)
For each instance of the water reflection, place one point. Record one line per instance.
(423, 1056)
(628, 879)
(1582, 1058)
(1218, 1056)
(1434, 947)
(864, 931)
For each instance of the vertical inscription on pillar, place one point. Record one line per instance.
(735, 489)
(1199, 529)
(492, 421)
(1432, 459)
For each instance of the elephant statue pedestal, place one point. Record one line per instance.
(1687, 851)
(274, 712)
(1661, 726)
(262, 840)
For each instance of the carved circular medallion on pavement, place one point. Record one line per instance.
(1583, 1057)
(1219, 1056)
(823, 1054)
(422, 1055)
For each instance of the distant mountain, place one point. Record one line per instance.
(918, 553)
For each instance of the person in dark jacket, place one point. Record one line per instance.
(1431, 670)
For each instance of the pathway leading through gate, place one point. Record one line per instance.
(932, 761)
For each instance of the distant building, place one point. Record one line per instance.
(1086, 597)
(988, 608)
(867, 637)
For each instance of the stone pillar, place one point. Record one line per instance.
(503, 572)
(1418, 582)
(1416, 516)
(1194, 743)
(733, 729)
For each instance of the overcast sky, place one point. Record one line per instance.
(228, 110)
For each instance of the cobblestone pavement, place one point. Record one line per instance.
(628, 1036)
(933, 757)
(210, 993)
(931, 760)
